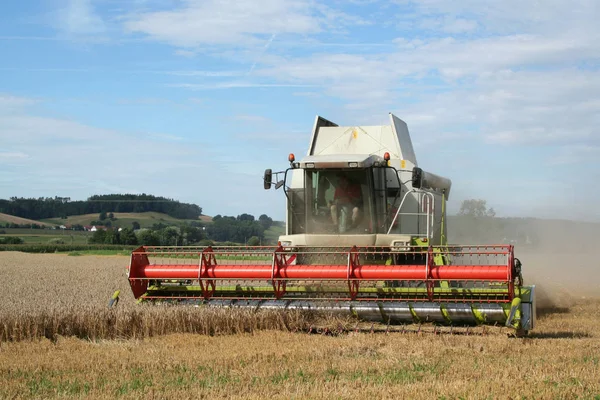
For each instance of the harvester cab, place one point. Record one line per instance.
(362, 186)
(365, 235)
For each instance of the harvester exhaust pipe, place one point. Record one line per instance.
(426, 180)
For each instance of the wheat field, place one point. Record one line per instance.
(58, 339)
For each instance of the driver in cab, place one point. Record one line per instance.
(346, 201)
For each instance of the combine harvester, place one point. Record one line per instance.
(365, 235)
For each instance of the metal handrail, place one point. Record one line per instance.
(398, 210)
(430, 214)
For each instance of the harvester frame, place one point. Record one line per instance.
(392, 265)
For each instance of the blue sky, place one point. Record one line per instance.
(193, 99)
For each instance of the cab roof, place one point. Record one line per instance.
(332, 161)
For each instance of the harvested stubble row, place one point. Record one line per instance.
(560, 360)
(94, 323)
(53, 295)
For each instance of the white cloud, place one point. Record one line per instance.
(239, 22)
(78, 153)
(336, 20)
(507, 76)
(506, 17)
(361, 79)
(167, 137)
(576, 154)
(367, 80)
(456, 58)
(185, 53)
(9, 102)
(29, 129)
(12, 155)
(234, 85)
(79, 17)
(447, 24)
(208, 74)
(42, 156)
(525, 108)
(517, 89)
(522, 88)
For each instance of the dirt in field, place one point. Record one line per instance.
(561, 261)
(564, 265)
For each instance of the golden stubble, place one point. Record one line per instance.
(561, 359)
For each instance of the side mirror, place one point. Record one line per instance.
(268, 179)
(417, 177)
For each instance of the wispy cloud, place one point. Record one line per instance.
(31, 38)
(105, 69)
(12, 155)
(44, 156)
(509, 85)
(576, 154)
(229, 22)
(79, 17)
(145, 101)
(170, 138)
(260, 54)
(502, 18)
(234, 85)
(450, 25)
(10, 102)
(210, 74)
(82, 156)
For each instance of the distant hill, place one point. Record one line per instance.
(272, 234)
(145, 219)
(205, 219)
(11, 219)
(48, 207)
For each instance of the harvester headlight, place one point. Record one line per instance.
(400, 245)
(285, 243)
(310, 165)
(353, 164)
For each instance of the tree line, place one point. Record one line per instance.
(169, 236)
(241, 229)
(61, 207)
